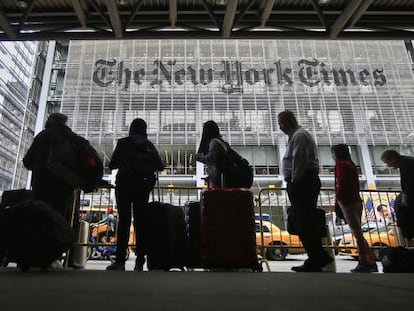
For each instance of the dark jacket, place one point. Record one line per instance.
(37, 155)
(120, 158)
(407, 177)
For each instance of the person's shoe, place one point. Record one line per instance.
(327, 266)
(116, 266)
(76, 266)
(306, 268)
(57, 264)
(365, 268)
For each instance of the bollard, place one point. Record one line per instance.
(80, 251)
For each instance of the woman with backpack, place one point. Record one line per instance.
(136, 159)
(210, 152)
(225, 167)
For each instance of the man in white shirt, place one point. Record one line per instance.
(300, 171)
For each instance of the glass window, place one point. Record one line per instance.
(264, 159)
(178, 159)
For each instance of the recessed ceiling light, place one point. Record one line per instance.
(324, 2)
(21, 4)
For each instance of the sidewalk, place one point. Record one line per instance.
(101, 290)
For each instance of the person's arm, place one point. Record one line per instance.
(29, 158)
(39, 145)
(159, 164)
(340, 182)
(115, 161)
(300, 156)
(407, 182)
(211, 157)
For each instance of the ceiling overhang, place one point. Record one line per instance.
(206, 19)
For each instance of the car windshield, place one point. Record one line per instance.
(265, 216)
(265, 228)
(370, 226)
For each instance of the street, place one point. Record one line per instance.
(343, 264)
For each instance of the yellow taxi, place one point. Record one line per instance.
(377, 238)
(278, 243)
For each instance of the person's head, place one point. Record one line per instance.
(287, 121)
(210, 131)
(138, 126)
(341, 152)
(110, 210)
(56, 119)
(391, 158)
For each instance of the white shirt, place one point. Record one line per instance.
(301, 155)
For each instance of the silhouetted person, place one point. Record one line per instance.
(136, 159)
(300, 171)
(349, 200)
(212, 152)
(47, 186)
(405, 203)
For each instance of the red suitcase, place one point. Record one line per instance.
(228, 230)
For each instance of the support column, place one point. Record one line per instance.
(47, 73)
(41, 112)
(367, 165)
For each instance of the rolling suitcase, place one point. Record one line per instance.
(192, 211)
(165, 237)
(228, 230)
(33, 234)
(12, 197)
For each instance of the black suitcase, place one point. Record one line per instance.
(33, 234)
(12, 197)
(397, 260)
(192, 211)
(165, 237)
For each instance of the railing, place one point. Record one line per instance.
(378, 224)
(271, 204)
(94, 208)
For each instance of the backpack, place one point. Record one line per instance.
(237, 171)
(139, 162)
(78, 165)
(90, 166)
(63, 164)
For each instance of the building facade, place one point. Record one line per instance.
(18, 108)
(354, 92)
(357, 92)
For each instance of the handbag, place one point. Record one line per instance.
(292, 221)
(338, 211)
(294, 225)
